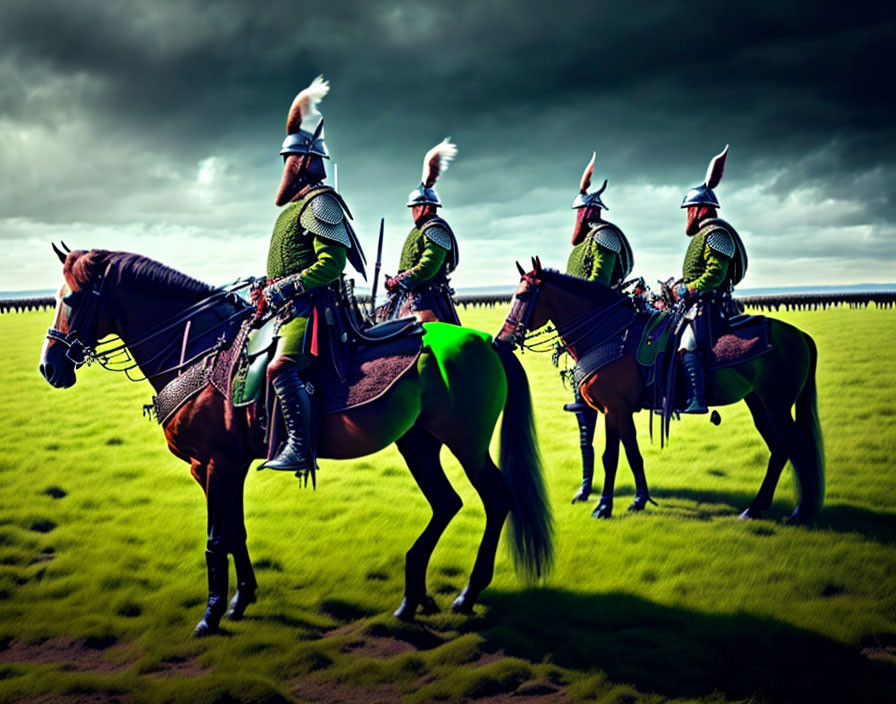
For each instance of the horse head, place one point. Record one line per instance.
(525, 313)
(78, 322)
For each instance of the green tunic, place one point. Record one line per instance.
(422, 257)
(293, 250)
(602, 262)
(705, 269)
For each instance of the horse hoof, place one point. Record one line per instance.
(799, 518)
(428, 607)
(460, 606)
(238, 605)
(637, 505)
(750, 514)
(204, 629)
(406, 611)
(581, 496)
(464, 603)
(602, 511)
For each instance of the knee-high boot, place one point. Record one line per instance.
(693, 366)
(298, 408)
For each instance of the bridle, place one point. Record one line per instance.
(516, 326)
(81, 340)
(79, 349)
(552, 338)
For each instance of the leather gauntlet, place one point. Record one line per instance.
(284, 290)
(401, 281)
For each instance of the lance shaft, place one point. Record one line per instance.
(376, 269)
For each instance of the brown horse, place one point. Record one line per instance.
(452, 396)
(771, 385)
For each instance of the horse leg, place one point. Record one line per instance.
(245, 575)
(586, 417)
(798, 449)
(246, 585)
(223, 491)
(420, 450)
(604, 508)
(628, 433)
(489, 484)
(776, 461)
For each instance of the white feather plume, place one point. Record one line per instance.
(436, 161)
(303, 114)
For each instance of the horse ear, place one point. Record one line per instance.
(65, 246)
(538, 264)
(59, 253)
(520, 269)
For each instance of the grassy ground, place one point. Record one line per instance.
(102, 573)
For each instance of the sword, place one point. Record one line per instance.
(376, 270)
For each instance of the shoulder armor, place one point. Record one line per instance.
(439, 235)
(721, 241)
(608, 237)
(323, 216)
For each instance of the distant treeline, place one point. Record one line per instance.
(786, 301)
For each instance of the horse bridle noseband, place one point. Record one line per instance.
(516, 325)
(81, 351)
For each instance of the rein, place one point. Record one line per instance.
(577, 329)
(81, 351)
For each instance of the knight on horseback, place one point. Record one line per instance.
(600, 253)
(311, 242)
(715, 262)
(430, 251)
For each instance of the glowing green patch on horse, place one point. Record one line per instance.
(446, 340)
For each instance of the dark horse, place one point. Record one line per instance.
(770, 384)
(452, 396)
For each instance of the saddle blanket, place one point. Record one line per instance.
(371, 371)
(745, 339)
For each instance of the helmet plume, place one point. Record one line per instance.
(716, 169)
(304, 107)
(436, 161)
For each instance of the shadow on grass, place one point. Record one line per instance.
(841, 518)
(678, 652)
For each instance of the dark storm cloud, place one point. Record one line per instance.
(148, 90)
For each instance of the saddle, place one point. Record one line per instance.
(355, 366)
(740, 339)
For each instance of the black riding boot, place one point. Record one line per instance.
(693, 366)
(297, 407)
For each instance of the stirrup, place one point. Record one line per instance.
(288, 459)
(695, 407)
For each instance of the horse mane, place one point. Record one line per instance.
(132, 270)
(593, 290)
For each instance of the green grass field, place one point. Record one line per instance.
(102, 571)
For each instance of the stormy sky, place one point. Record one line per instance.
(155, 127)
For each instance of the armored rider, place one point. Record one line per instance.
(311, 242)
(430, 251)
(600, 253)
(714, 263)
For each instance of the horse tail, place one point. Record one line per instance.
(808, 422)
(531, 523)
